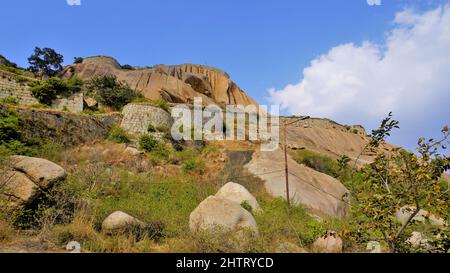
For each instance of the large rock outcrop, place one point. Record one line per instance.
(320, 193)
(177, 83)
(28, 177)
(329, 138)
(41, 171)
(5, 62)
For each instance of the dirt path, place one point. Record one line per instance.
(28, 245)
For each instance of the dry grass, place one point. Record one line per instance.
(7, 232)
(82, 229)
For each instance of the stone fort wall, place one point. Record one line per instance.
(15, 86)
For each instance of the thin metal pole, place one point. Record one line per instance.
(286, 168)
(286, 165)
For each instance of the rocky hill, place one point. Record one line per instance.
(5, 62)
(121, 183)
(177, 83)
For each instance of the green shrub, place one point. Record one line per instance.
(77, 60)
(162, 104)
(163, 129)
(118, 135)
(279, 222)
(13, 143)
(9, 125)
(10, 100)
(16, 71)
(194, 165)
(108, 91)
(148, 142)
(317, 162)
(245, 205)
(127, 67)
(38, 106)
(151, 128)
(46, 91)
(160, 153)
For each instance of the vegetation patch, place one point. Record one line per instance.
(46, 91)
(108, 91)
(118, 135)
(317, 162)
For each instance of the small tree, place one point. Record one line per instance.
(45, 62)
(401, 178)
(77, 60)
(148, 142)
(109, 91)
(45, 91)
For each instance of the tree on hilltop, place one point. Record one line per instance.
(45, 62)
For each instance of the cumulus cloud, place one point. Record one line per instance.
(408, 74)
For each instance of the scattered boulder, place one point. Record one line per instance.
(73, 247)
(405, 212)
(330, 243)
(118, 222)
(219, 213)
(238, 194)
(289, 248)
(19, 188)
(27, 177)
(90, 102)
(42, 172)
(417, 239)
(374, 247)
(446, 177)
(132, 151)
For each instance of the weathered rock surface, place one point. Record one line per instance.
(446, 177)
(322, 194)
(374, 247)
(178, 83)
(405, 212)
(119, 221)
(330, 138)
(417, 239)
(218, 214)
(137, 118)
(289, 248)
(42, 172)
(26, 177)
(4, 61)
(132, 151)
(64, 128)
(330, 243)
(238, 194)
(19, 188)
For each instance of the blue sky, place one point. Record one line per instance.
(262, 44)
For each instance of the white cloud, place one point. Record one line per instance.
(73, 2)
(374, 2)
(408, 74)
